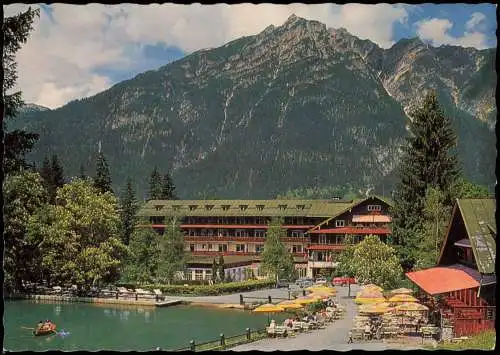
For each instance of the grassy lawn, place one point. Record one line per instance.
(481, 341)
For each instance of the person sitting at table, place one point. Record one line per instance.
(368, 331)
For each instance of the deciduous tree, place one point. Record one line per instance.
(376, 262)
(79, 238)
(276, 260)
(24, 195)
(172, 256)
(144, 253)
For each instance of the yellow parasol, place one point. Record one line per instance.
(411, 307)
(374, 308)
(290, 305)
(372, 287)
(401, 291)
(321, 289)
(268, 308)
(402, 298)
(307, 299)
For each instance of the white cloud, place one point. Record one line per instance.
(59, 61)
(436, 31)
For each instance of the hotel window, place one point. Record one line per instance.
(203, 232)
(240, 247)
(322, 239)
(209, 207)
(220, 220)
(193, 207)
(209, 246)
(208, 274)
(203, 246)
(260, 233)
(297, 248)
(192, 233)
(210, 233)
(198, 274)
(243, 207)
(222, 247)
(374, 208)
(240, 220)
(282, 207)
(260, 207)
(176, 207)
(259, 248)
(339, 223)
(191, 247)
(158, 207)
(188, 275)
(297, 233)
(300, 207)
(238, 233)
(225, 207)
(261, 220)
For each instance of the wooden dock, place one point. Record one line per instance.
(168, 303)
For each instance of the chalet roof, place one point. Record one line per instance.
(271, 208)
(479, 219)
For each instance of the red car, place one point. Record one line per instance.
(343, 281)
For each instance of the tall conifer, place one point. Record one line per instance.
(155, 185)
(102, 180)
(428, 160)
(128, 211)
(168, 188)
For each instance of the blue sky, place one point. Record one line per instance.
(77, 51)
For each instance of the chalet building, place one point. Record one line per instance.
(315, 229)
(465, 275)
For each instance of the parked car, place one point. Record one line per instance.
(283, 283)
(343, 281)
(321, 280)
(304, 282)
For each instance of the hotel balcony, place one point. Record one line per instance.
(322, 264)
(217, 239)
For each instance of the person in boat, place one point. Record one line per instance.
(39, 325)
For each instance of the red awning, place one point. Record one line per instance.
(438, 280)
(352, 230)
(326, 247)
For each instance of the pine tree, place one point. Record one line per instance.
(428, 160)
(128, 210)
(214, 271)
(222, 269)
(82, 172)
(167, 188)
(57, 172)
(17, 143)
(155, 188)
(103, 178)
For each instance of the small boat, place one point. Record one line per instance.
(45, 330)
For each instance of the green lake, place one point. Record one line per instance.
(106, 327)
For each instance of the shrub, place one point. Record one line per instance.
(212, 290)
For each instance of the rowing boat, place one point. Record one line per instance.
(45, 331)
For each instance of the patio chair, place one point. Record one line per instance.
(357, 334)
(159, 295)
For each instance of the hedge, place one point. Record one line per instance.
(212, 290)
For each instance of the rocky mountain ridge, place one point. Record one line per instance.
(295, 105)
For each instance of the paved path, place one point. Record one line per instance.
(333, 337)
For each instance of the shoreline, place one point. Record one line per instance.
(99, 301)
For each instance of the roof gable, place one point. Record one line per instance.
(479, 219)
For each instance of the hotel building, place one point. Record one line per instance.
(315, 229)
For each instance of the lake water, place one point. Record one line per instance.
(106, 327)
